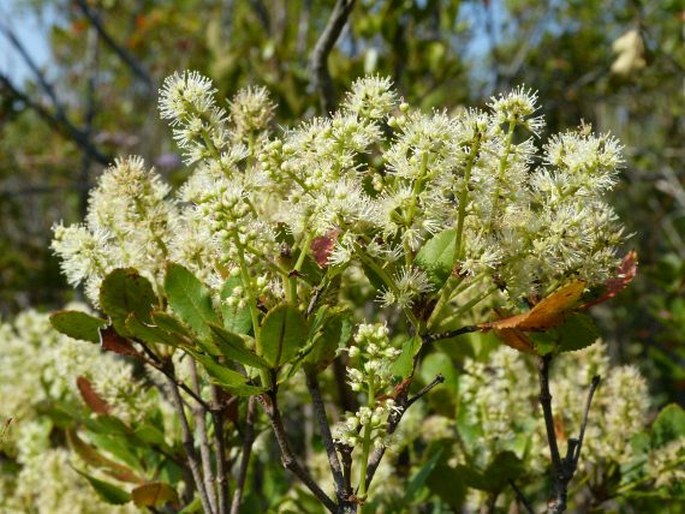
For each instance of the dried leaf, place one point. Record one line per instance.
(92, 399)
(625, 274)
(322, 247)
(549, 313)
(110, 341)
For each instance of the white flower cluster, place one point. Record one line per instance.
(500, 398)
(39, 368)
(372, 375)
(129, 223)
(376, 177)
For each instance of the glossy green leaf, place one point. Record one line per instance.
(78, 325)
(436, 257)
(123, 292)
(149, 332)
(190, 299)
(402, 367)
(227, 378)
(335, 333)
(578, 331)
(668, 426)
(283, 333)
(235, 319)
(233, 347)
(109, 493)
(154, 494)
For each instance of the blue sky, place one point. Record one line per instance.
(32, 33)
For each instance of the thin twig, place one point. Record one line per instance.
(521, 497)
(221, 467)
(432, 338)
(326, 436)
(189, 446)
(546, 403)
(402, 404)
(562, 469)
(318, 62)
(163, 367)
(58, 121)
(130, 61)
(201, 427)
(270, 406)
(248, 440)
(593, 387)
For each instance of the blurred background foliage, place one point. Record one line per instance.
(617, 64)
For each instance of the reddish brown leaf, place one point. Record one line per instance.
(92, 399)
(625, 273)
(322, 247)
(110, 341)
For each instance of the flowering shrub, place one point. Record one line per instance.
(331, 263)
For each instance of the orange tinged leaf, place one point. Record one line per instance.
(548, 313)
(154, 494)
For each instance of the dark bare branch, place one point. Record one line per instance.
(57, 121)
(327, 438)
(248, 440)
(134, 65)
(200, 415)
(432, 338)
(562, 469)
(318, 62)
(188, 445)
(270, 406)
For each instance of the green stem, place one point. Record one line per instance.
(254, 313)
(306, 242)
(366, 443)
(390, 283)
(464, 308)
(500, 176)
(463, 199)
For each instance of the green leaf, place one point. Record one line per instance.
(170, 324)
(227, 378)
(194, 507)
(190, 300)
(154, 494)
(232, 346)
(283, 333)
(419, 479)
(150, 434)
(436, 257)
(446, 482)
(92, 457)
(668, 426)
(577, 332)
(109, 493)
(402, 367)
(335, 332)
(235, 319)
(125, 291)
(78, 325)
(505, 467)
(149, 332)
